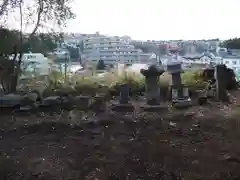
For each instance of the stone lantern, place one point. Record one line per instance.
(180, 95)
(152, 75)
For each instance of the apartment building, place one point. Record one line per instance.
(113, 50)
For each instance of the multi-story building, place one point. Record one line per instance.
(113, 50)
(73, 40)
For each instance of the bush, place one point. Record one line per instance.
(110, 82)
(193, 79)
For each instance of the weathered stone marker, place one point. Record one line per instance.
(124, 105)
(99, 104)
(82, 102)
(152, 75)
(221, 80)
(180, 96)
(124, 94)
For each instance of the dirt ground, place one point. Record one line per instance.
(199, 143)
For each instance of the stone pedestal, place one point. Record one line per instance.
(123, 105)
(180, 96)
(82, 102)
(152, 75)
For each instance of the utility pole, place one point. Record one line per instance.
(65, 67)
(159, 60)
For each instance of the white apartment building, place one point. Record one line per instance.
(113, 50)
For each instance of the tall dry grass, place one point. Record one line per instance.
(93, 82)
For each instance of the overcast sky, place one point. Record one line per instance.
(158, 19)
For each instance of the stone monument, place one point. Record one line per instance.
(82, 102)
(180, 95)
(152, 75)
(123, 105)
(99, 104)
(221, 81)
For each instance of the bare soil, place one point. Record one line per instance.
(200, 143)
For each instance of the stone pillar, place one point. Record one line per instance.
(124, 94)
(152, 75)
(221, 79)
(180, 95)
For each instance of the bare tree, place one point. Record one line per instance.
(36, 13)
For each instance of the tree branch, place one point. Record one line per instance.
(40, 11)
(3, 7)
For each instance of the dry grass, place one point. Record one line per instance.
(109, 80)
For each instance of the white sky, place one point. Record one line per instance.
(157, 19)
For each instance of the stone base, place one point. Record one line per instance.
(154, 108)
(24, 110)
(123, 107)
(179, 104)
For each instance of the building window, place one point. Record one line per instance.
(234, 62)
(226, 62)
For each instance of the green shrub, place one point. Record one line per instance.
(193, 79)
(93, 84)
